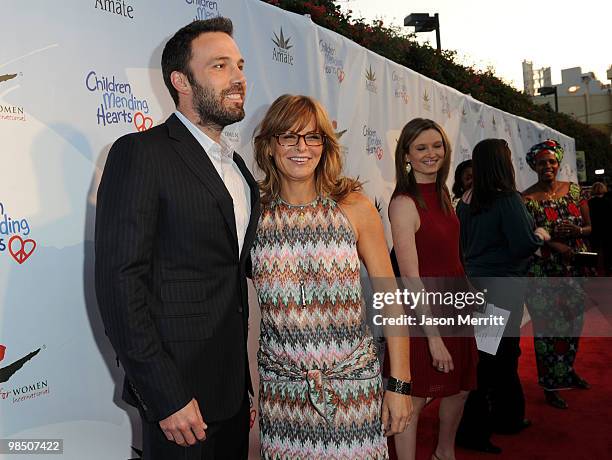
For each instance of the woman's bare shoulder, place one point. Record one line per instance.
(357, 201)
(402, 203)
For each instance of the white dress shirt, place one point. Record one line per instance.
(222, 157)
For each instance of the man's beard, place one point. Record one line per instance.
(209, 106)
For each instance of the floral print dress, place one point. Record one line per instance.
(556, 296)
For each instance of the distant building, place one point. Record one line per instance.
(584, 97)
(577, 83)
(534, 79)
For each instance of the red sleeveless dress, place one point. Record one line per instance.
(437, 243)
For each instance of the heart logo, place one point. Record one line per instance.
(21, 249)
(2, 350)
(340, 75)
(141, 122)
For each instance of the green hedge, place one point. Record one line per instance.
(401, 47)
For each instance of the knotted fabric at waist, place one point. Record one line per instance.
(360, 364)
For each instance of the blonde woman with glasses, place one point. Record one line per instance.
(320, 393)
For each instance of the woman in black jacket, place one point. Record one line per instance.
(498, 237)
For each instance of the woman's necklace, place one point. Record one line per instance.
(552, 194)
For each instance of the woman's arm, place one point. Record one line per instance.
(372, 249)
(586, 228)
(518, 227)
(569, 230)
(405, 222)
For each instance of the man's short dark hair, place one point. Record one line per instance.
(177, 52)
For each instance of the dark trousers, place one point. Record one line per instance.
(498, 403)
(225, 440)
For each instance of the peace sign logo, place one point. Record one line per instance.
(141, 122)
(21, 249)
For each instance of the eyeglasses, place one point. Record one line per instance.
(292, 139)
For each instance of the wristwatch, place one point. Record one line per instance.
(399, 386)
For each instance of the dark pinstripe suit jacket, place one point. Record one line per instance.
(170, 283)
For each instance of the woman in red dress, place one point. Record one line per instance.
(425, 233)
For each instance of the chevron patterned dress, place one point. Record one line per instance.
(320, 392)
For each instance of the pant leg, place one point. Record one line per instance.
(507, 397)
(225, 440)
(229, 439)
(475, 426)
(157, 447)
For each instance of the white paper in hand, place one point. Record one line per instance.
(489, 336)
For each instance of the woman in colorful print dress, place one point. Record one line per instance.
(555, 300)
(426, 245)
(320, 393)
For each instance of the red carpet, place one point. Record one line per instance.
(583, 432)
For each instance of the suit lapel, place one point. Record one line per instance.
(255, 206)
(197, 160)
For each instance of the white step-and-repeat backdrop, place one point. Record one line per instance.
(74, 76)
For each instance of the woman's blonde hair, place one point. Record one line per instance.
(294, 112)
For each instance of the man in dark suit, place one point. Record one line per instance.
(176, 216)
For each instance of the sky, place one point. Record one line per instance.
(502, 34)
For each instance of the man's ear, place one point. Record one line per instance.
(180, 82)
